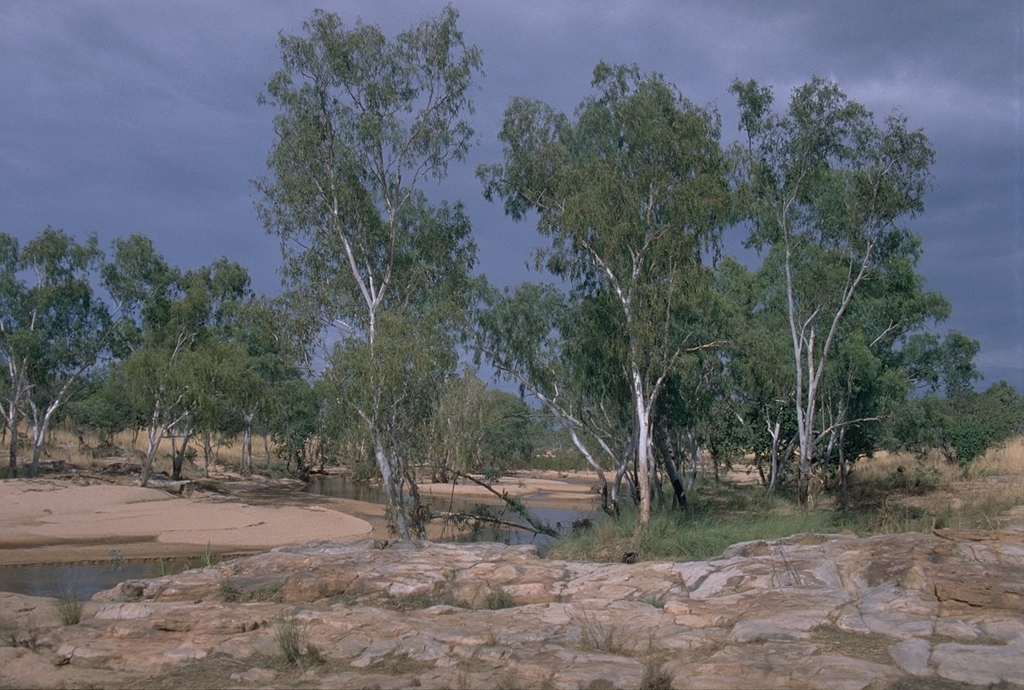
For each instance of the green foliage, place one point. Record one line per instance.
(629, 193)
(963, 426)
(827, 188)
(104, 406)
(362, 121)
(476, 429)
(53, 328)
(700, 533)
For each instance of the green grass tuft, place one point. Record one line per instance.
(497, 599)
(697, 533)
(69, 607)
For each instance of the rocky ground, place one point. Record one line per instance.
(940, 610)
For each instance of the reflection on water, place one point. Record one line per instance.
(561, 520)
(83, 580)
(342, 486)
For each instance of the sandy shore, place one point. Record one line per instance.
(568, 491)
(53, 520)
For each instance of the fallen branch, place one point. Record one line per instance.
(462, 517)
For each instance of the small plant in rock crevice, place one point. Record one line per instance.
(295, 647)
(69, 607)
(596, 635)
(655, 600)
(655, 677)
(497, 599)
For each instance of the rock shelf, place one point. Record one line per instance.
(808, 611)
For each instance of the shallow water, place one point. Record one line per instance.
(345, 487)
(82, 580)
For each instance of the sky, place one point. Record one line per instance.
(119, 117)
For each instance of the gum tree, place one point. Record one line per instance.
(363, 123)
(53, 328)
(828, 188)
(629, 193)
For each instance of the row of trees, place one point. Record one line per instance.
(136, 344)
(132, 343)
(660, 348)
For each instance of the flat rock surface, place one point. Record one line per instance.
(938, 610)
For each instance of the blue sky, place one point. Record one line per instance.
(120, 117)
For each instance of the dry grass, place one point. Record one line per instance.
(940, 493)
(69, 607)
(598, 635)
(63, 445)
(1006, 460)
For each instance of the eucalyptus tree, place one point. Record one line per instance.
(828, 188)
(53, 328)
(363, 123)
(268, 355)
(519, 332)
(758, 392)
(629, 193)
(177, 361)
(104, 406)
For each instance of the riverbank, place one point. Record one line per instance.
(84, 518)
(60, 521)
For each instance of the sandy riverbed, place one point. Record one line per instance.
(54, 520)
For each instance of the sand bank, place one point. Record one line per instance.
(53, 521)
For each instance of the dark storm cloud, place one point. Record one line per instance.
(120, 117)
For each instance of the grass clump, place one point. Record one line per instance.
(655, 600)
(231, 592)
(596, 635)
(497, 599)
(12, 635)
(399, 664)
(69, 607)
(698, 533)
(655, 677)
(295, 647)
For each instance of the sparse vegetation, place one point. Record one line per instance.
(888, 493)
(69, 607)
(655, 677)
(292, 638)
(598, 635)
(655, 600)
(231, 592)
(12, 635)
(498, 598)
